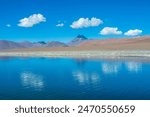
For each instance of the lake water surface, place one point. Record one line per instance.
(68, 78)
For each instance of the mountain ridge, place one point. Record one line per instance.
(5, 44)
(81, 42)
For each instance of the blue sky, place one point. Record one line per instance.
(62, 20)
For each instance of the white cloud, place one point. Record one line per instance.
(32, 20)
(8, 25)
(134, 32)
(86, 22)
(110, 31)
(60, 25)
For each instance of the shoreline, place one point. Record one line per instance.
(78, 54)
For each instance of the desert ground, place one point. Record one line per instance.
(139, 46)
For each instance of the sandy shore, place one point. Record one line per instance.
(88, 54)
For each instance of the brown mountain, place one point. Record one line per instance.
(141, 43)
(136, 43)
(26, 44)
(56, 44)
(9, 45)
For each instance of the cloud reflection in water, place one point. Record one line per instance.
(86, 77)
(30, 79)
(133, 66)
(111, 68)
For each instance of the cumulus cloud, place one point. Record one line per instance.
(32, 20)
(110, 31)
(86, 22)
(60, 25)
(134, 32)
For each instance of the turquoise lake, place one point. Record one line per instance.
(69, 79)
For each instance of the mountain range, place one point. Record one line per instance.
(5, 44)
(82, 43)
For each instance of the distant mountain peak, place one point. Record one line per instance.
(41, 42)
(82, 37)
(79, 39)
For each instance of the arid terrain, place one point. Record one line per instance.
(139, 46)
(138, 43)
